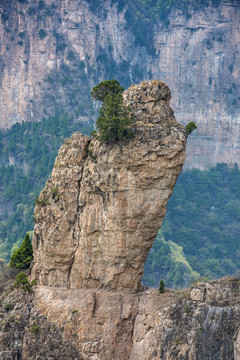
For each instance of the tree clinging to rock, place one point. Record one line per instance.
(114, 119)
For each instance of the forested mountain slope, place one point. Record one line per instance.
(28, 152)
(203, 218)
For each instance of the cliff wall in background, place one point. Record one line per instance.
(52, 53)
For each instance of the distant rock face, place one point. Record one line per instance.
(99, 213)
(196, 55)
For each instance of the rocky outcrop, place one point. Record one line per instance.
(184, 326)
(95, 222)
(195, 55)
(99, 213)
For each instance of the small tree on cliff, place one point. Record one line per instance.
(114, 119)
(22, 257)
(190, 127)
(161, 287)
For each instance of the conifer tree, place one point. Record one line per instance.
(161, 287)
(114, 119)
(22, 257)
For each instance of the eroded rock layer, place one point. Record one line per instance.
(99, 213)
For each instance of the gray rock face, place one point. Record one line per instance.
(196, 56)
(183, 326)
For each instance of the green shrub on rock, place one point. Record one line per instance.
(108, 87)
(161, 287)
(190, 127)
(23, 283)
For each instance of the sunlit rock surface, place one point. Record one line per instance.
(99, 213)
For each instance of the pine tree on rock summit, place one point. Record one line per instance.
(114, 119)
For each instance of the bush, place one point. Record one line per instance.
(21, 34)
(22, 257)
(35, 327)
(42, 200)
(161, 287)
(9, 307)
(42, 34)
(41, 4)
(22, 282)
(114, 119)
(190, 127)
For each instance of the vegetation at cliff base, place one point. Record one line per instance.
(23, 283)
(114, 117)
(22, 257)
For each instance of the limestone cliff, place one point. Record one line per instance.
(99, 213)
(97, 218)
(51, 54)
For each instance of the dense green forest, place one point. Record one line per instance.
(203, 217)
(27, 153)
(166, 261)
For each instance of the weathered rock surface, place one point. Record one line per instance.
(99, 213)
(95, 222)
(60, 323)
(177, 326)
(196, 55)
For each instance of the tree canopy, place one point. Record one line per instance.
(104, 88)
(190, 127)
